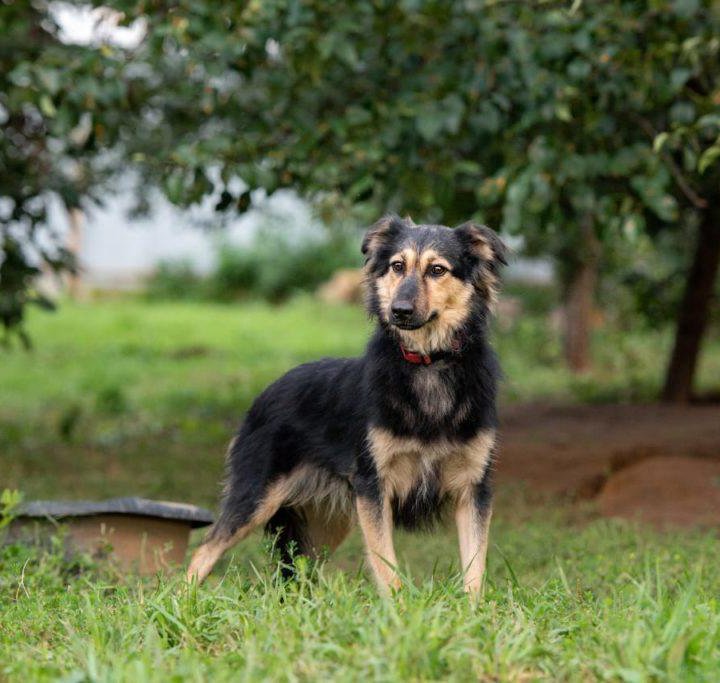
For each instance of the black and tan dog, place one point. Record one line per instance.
(393, 437)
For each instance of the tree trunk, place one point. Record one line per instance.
(74, 241)
(694, 313)
(579, 302)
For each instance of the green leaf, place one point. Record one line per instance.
(562, 112)
(678, 77)
(659, 141)
(361, 186)
(685, 8)
(174, 187)
(708, 121)
(709, 157)
(46, 106)
(49, 79)
(682, 112)
(357, 115)
(429, 123)
(10, 500)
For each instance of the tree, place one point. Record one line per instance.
(61, 105)
(538, 117)
(690, 146)
(598, 85)
(520, 115)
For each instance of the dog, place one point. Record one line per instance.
(394, 437)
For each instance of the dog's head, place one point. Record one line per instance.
(423, 281)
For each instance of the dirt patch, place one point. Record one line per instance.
(665, 492)
(575, 451)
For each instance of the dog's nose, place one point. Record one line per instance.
(402, 310)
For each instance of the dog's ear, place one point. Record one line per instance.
(489, 253)
(483, 243)
(380, 235)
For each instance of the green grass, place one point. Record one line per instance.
(563, 601)
(121, 355)
(128, 397)
(125, 395)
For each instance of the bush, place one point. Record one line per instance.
(174, 280)
(272, 268)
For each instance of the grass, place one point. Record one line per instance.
(126, 396)
(133, 396)
(563, 601)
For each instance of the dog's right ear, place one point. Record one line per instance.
(379, 235)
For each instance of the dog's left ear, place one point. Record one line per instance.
(483, 243)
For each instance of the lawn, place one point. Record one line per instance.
(128, 397)
(565, 600)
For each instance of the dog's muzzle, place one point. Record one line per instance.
(404, 316)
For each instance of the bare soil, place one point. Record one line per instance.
(665, 491)
(657, 462)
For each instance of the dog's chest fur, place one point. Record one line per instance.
(406, 464)
(434, 394)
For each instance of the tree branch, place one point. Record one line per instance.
(693, 197)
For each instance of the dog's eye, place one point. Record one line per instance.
(437, 270)
(397, 266)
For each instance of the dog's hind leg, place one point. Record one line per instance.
(289, 527)
(233, 526)
(216, 544)
(326, 528)
(311, 529)
(205, 557)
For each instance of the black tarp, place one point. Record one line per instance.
(139, 507)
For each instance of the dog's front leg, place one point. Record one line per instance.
(376, 522)
(472, 516)
(375, 519)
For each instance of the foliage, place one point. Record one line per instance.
(272, 268)
(174, 280)
(62, 106)
(446, 112)
(548, 120)
(576, 165)
(17, 288)
(644, 286)
(9, 500)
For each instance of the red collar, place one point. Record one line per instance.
(415, 357)
(424, 359)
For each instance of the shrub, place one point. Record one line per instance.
(174, 280)
(272, 267)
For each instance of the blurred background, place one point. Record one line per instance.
(184, 187)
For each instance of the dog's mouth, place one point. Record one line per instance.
(410, 326)
(414, 325)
